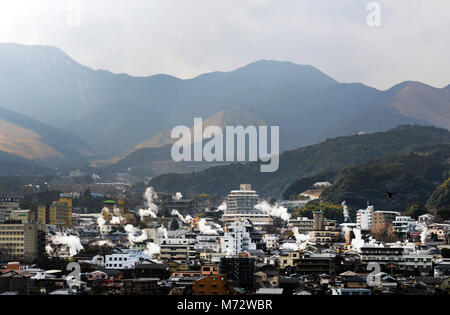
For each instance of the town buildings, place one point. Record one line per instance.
(236, 239)
(242, 252)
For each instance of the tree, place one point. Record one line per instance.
(331, 211)
(443, 213)
(87, 193)
(445, 252)
(174, 225)
(384, 232)
(415, 210)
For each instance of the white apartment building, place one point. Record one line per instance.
(426, 218)
(236, 239)
(207, 244)
(124, 260)
(364, 218)
(404, 224)
(322, 184)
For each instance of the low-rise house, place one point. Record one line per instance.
(105, 275)
(213, 285)
(15, 281)
(141, 286)
(351, 291)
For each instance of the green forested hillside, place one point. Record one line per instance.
(439, 202)
(413, 176)
(328, 156)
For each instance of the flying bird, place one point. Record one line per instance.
(390, 195)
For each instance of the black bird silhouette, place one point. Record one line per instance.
(390, 195)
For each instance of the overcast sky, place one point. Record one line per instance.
(185, 38)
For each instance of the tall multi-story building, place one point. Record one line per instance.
(58, 213)
(242, 201)
(382, 219)
(41, 217)
(241, 207)
(318, 218)
(364, 218)
(19, 241)
(241, 270)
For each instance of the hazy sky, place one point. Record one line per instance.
(189, 37)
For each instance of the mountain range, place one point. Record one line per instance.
(118, 115)
(23, 140)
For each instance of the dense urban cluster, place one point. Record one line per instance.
(244, 245)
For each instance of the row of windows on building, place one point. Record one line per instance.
(18, 250)
(11, 233)
(114, 265)
(9, 227)
(11, 238)
(117, 259)
(381, 258)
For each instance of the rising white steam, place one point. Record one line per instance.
(152, 209)
(103, 243)
(187, 219)
(205, 228)
(358, 242)
(274, 211)
(301, 241)
(222, 207)
(100, 221)
(424, 234)
(218, 227)
(152, 249)
(346, 212)
(178, 196)
(135, 235)
(49, 250)
(163, 231)
(117, 219)
(71, 241)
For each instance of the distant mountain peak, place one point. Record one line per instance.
(231, 116)
(306, 74)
